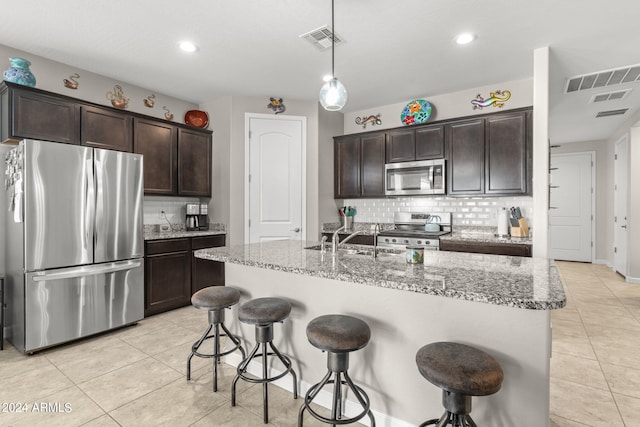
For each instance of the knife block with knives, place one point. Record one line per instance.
(519, 225)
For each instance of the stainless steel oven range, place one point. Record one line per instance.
(416, 229)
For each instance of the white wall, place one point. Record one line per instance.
(604, 172)
(94, 87)
(633, 223)
(446, 106)
(229, 139)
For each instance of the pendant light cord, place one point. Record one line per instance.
(333, 42)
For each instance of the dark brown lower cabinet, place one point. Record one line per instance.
(173, 274)
(167, 275)
(206, 272)
(511, 249)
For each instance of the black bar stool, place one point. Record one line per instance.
(263, 313)
(461, 371)
(338, 335)
(214, 299)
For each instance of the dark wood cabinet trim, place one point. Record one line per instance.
(194, 163)
(158, 143)
(510, 249)
(401, 145)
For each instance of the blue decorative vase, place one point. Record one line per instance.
(19, 72)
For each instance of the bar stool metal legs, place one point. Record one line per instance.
(263, 313)
(216, 321)
(214, 300)
(338, 365)
(338, 335)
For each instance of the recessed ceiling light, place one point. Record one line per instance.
(187, 46)
(465, 38)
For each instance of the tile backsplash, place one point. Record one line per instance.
(468, 211)
(174, 208)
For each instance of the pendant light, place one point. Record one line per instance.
(333, 94)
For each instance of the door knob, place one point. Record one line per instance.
(297, 229)
(623, 226)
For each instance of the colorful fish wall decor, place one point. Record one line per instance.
(497, 99)
(373, 120)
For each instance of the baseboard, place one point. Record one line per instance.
(324, 398)
(604, 262)
(634, 280)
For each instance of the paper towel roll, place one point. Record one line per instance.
(503, 222)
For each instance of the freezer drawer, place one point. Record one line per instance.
(69, 303)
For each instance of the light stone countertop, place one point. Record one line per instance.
(460, 233)
(178, 232)
(528, 283)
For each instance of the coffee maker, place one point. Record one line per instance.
(197, 217)
(203, 218)
(192, 220)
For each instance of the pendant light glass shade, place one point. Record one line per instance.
(333, 95)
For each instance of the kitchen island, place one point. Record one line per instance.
(499, 304)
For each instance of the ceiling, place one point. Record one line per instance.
(393, 51)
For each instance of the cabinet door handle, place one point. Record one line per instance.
(554, 186)
(297, 229)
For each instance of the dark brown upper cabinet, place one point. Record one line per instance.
(465, 166)
(194, 163)
(32, 114)
(359, 165)
(409, 144)
(105, 128)
(158, 143)
(430, 142)
(401, 145)
(506, 154)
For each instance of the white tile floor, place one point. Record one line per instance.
(136, 376)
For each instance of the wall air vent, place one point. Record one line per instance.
(610, 96)
(321, 37)
(612, 112)
(617, 76)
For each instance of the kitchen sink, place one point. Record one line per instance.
(365, 251)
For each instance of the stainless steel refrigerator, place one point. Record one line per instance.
(75, 242)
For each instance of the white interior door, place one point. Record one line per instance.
(620, 205)
(571, 212)
(276, 182)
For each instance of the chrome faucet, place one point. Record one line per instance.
(376, 230)
(323, 249)
(335, 243)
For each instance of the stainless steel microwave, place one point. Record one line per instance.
(414, 178)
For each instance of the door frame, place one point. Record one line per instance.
(247, 166)
(594, 217)
(625, 139)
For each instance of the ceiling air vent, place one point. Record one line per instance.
(321, 37)
(612, 112)
(628, 74)
(610, 96)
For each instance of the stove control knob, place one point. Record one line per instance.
(393, 240)
(420, 242)
(427, 242)
(406, 242)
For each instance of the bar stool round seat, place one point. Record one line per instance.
(214, 300)
(263, 313)
(338, 335)
(461, 371)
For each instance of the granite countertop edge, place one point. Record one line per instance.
(179, 232)
(459, 234)
(313, 263)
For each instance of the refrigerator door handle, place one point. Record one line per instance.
(88, 270)
(90, 201)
